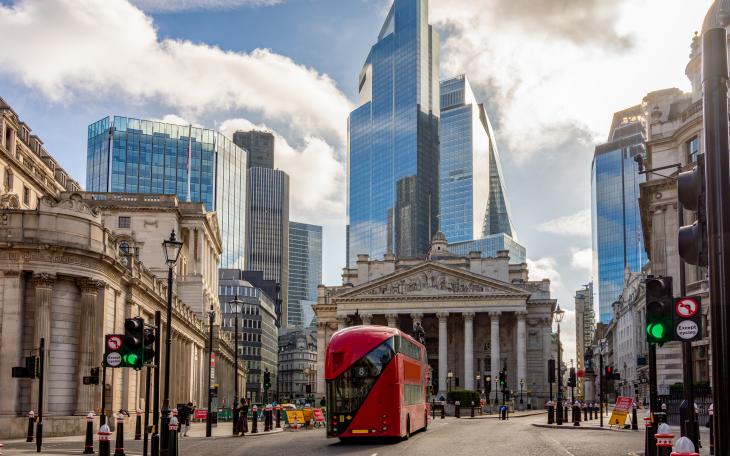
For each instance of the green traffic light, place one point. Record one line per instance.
(131, 359)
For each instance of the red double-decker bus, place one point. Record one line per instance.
(377, 379)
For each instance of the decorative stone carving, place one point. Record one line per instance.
(74, 203)
(43, 280)
(428, 282)
(89, 285)
(9, 201)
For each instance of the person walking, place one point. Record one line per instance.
(183, 415)
(243, 417)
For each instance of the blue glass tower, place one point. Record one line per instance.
(393, 145)
(472, 195)
(305, 271)
(617, 237)
(128, 155)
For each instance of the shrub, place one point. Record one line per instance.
(464, 397)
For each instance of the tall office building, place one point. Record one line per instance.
(585, 323)
(305, 271)
(267, 228)
(617, 235)
(473, 200)
(260, 147)
(126, 155)
(393, 145)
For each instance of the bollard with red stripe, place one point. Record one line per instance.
(138, 425)
(89, 441)
(119, 447)
(684, 447)
(278, 416)
(172, 428)
(105, 436)
(31, 420)
(664, 438)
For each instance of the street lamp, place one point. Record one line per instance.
(603, 346)
(236, 306)
(172, 248)
(449, 376)
(479, 383)
(209, 418)
(558, 314)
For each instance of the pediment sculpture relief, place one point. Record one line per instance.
(429, 283)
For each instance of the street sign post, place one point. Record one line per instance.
(687, 312)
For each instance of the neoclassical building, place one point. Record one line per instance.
(68, 276)
(480, 315)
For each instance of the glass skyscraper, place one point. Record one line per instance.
(305, 271)
(127, 155)
(473, 199)
(393, 145)
(267, 228)
(617, 235)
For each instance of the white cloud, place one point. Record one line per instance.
(545, 268)
(316, 177)
(582, 260)
(183, 5)
(578, 224)
(110, 48)
(546, 64)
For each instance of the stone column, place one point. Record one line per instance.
(43, 285)
(521, 350)
(468, 350)
(366, 318)
(391, 317)
(89, 350)
(12, 291)
(341, 322)
(495, 365)
(443, 349)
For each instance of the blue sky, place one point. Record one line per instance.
(551, 73)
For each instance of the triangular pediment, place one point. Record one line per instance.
(433, 279)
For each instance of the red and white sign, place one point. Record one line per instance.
(200, 414)
(318, 415)
(686, 307)
(114, 342)
(623, 404)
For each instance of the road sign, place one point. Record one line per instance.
(114, 342)
(113, 359)
(620, 411)
(687, 330)
(686, 307)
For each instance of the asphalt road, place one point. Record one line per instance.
(449, 437)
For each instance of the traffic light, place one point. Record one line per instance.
(29, 371)
(93, 378)
(132, 350)
(571, 378)
(691, 193)
(502, 378)
(551, 371)
(267, 379)
(149, 345)
(659, 303)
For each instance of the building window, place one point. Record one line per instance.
(26, 196)
(125, 222)
(8, 179)
(693, 149)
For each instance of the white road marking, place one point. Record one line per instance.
(562, 447)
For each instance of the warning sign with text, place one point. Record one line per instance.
(620, 411)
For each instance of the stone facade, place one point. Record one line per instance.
(65, 276)
(297, 363)
(480, 315)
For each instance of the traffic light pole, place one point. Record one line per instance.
(600, 386)
(717, 177)
(209, 416)
(650, 444)
(155, 439)
(42, 364)
(165, 436)
(102, 417)
(687, 368)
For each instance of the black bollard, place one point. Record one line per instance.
(585, 412)
(138, 426)
(119, 447)
(254, 420)
(278, 416)
(576, 414)
(433, 411)
(105, 436)
(503, 412)
(89, 441)
(551, 412)
(267, 426)
(634, 419)
(457, 409)
(472, 410)
(172, 429)
(443, 411)
(565, 414)
(31, 420)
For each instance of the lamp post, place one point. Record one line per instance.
(558, 314)
(208, 417)
(236, 306)
(172, 248)
(449, 376)
(479, 383)
(603, 345)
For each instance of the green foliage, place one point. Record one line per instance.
(464, 397)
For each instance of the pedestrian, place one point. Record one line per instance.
(183, 416)
(243, 417)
